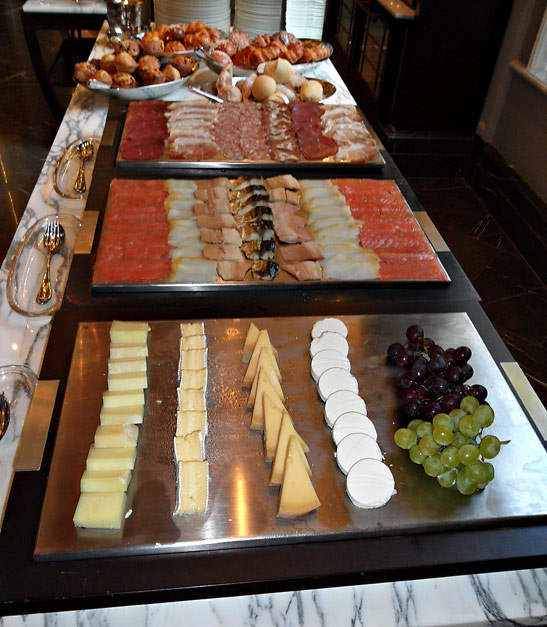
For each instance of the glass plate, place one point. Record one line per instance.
(27, 268)
(66, 169)
(17, 383)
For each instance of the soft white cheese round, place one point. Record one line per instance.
(354, 447)
(352, 422)
(370, 484)
(335, 379)
(326, 359)
(329, 339)
(341, 402)
(329, 324)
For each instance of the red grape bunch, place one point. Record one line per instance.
(434, 380)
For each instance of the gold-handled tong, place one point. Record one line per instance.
(54, 236)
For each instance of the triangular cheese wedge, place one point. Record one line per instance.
(297, 495)
(250, 341)
(263, 341)
(257, 421)
(263, 380)
(286, 430)
(272, 423)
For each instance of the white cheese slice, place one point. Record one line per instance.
(193, 342)
(370, 484)
(341, 402)
(124, 398)
(354, 447)
(335, 379)
(132, 415)
(112, 436)
(119, 458)
(105, 480)
(100, 510)
(332, 340)
(189, 448)
(127, 381)
(192, 328)
(130, 351)
(352, 422)
(192, 487)
(192, 399)
(326, 359)
(297, 495)
(188, 421)
(329, 324)
(193, 359)
(128, 333)
(193, 379)
(127, 364)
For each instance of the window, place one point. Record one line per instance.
(538, 59)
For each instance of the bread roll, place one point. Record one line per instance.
(263, 87)
(311, 91)
(280, 70)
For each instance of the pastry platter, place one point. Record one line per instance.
(241, 509)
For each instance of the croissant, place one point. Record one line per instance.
(315, 53)
(293, 53)
(286, 38)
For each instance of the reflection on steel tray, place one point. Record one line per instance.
(241, 509)
(184, 234)
(302, 135)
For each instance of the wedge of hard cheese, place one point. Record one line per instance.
(297, 495)
(127, 381)
(257, 421)
(127, 364)
(264, 379)
(131, 415)
(287, 429)
(100, 510)
(128, 351)
(192, 488)
(119, 458)
(123, 398)
(262, 342)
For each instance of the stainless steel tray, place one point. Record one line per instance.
(283, 280)
(241, 510)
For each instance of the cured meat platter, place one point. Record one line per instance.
(241, 508)
(168, 235)
(244, 136)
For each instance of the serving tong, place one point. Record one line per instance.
(85, 151)
(4, 415)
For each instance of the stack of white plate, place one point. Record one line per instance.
(305, 18)
(214, 13)
(258, 17)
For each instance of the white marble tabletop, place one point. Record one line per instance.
(65, 6)
(510, 598)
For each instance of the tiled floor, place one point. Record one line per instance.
(513, 296)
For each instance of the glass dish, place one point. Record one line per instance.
(66, 169)
(27, 268)
(18, 384)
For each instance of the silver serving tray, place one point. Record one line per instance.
(282, 281)
(241, 508)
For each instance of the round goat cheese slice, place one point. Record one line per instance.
(352, 422)
(329, 339)
(341, 402)
(335, 379)
(354, 447)
(329, 324)
(326, 359)
(370, 484)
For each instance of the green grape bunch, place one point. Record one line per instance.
(453, 447)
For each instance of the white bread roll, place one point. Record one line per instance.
(263, 87)
(311, 91)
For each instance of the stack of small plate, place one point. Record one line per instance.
(305, 18)
(258, 17)
(214, 13)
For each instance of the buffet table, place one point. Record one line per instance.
(375, 581)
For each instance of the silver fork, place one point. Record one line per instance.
(52, 243)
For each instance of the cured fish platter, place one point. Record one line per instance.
(182, 135)
(178, 234)
(242, 502)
